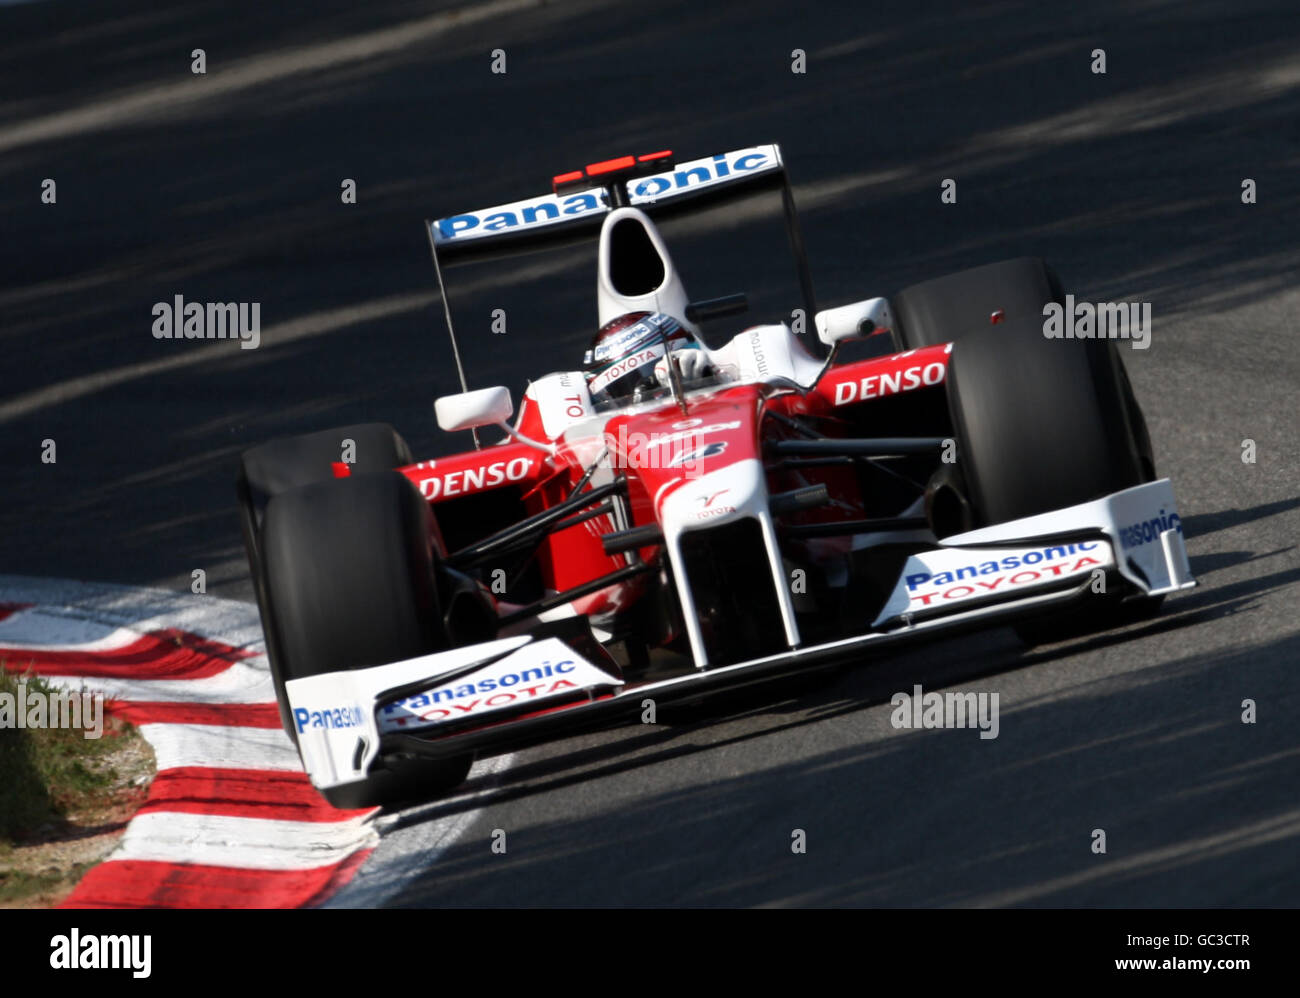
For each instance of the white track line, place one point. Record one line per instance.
(246, 843)
(216, 747)
(238, 684)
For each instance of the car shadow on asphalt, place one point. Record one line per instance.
(1200, 524)
(838, 692)
(1161, 758)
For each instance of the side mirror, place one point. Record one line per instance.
(469, 410)
(849, 322)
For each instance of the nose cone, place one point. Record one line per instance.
(635, 272)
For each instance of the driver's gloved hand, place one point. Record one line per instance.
(691, 364)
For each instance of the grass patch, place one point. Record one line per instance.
(63, 797)
(47, 772)
(17, 886)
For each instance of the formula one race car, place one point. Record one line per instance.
(765, 510)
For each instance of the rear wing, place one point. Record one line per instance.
(582, 198)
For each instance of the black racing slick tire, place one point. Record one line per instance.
(350, 580)
(349, 569)
(1042, 424)
(947, 308)
(291, 462)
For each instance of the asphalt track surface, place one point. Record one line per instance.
(226, 187)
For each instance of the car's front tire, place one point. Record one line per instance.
(1042, 424)
(350, 575)
(286, 466)
(291, 462)
(948, 308)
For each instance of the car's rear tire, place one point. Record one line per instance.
(947, 308)
(350, 573)
(1043, 424)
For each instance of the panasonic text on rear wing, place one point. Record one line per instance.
(549, 214)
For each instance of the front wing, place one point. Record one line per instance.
(505, 694)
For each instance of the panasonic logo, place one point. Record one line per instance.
(489, 684)
(337, 717)
(997, 576)
(699, 175)
(551, 209)
(522, 214)
(1137, 534)
(1007, 564)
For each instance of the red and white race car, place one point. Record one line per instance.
(774, 510)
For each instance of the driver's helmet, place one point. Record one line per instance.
(622, 357)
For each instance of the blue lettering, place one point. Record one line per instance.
(501, 220)
(579, 203)
(332, 717)
(454, 226)
(530, 213)
(1137, 534)
(682, 178)
(485, 685)
(643, 188)
(744, 162)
